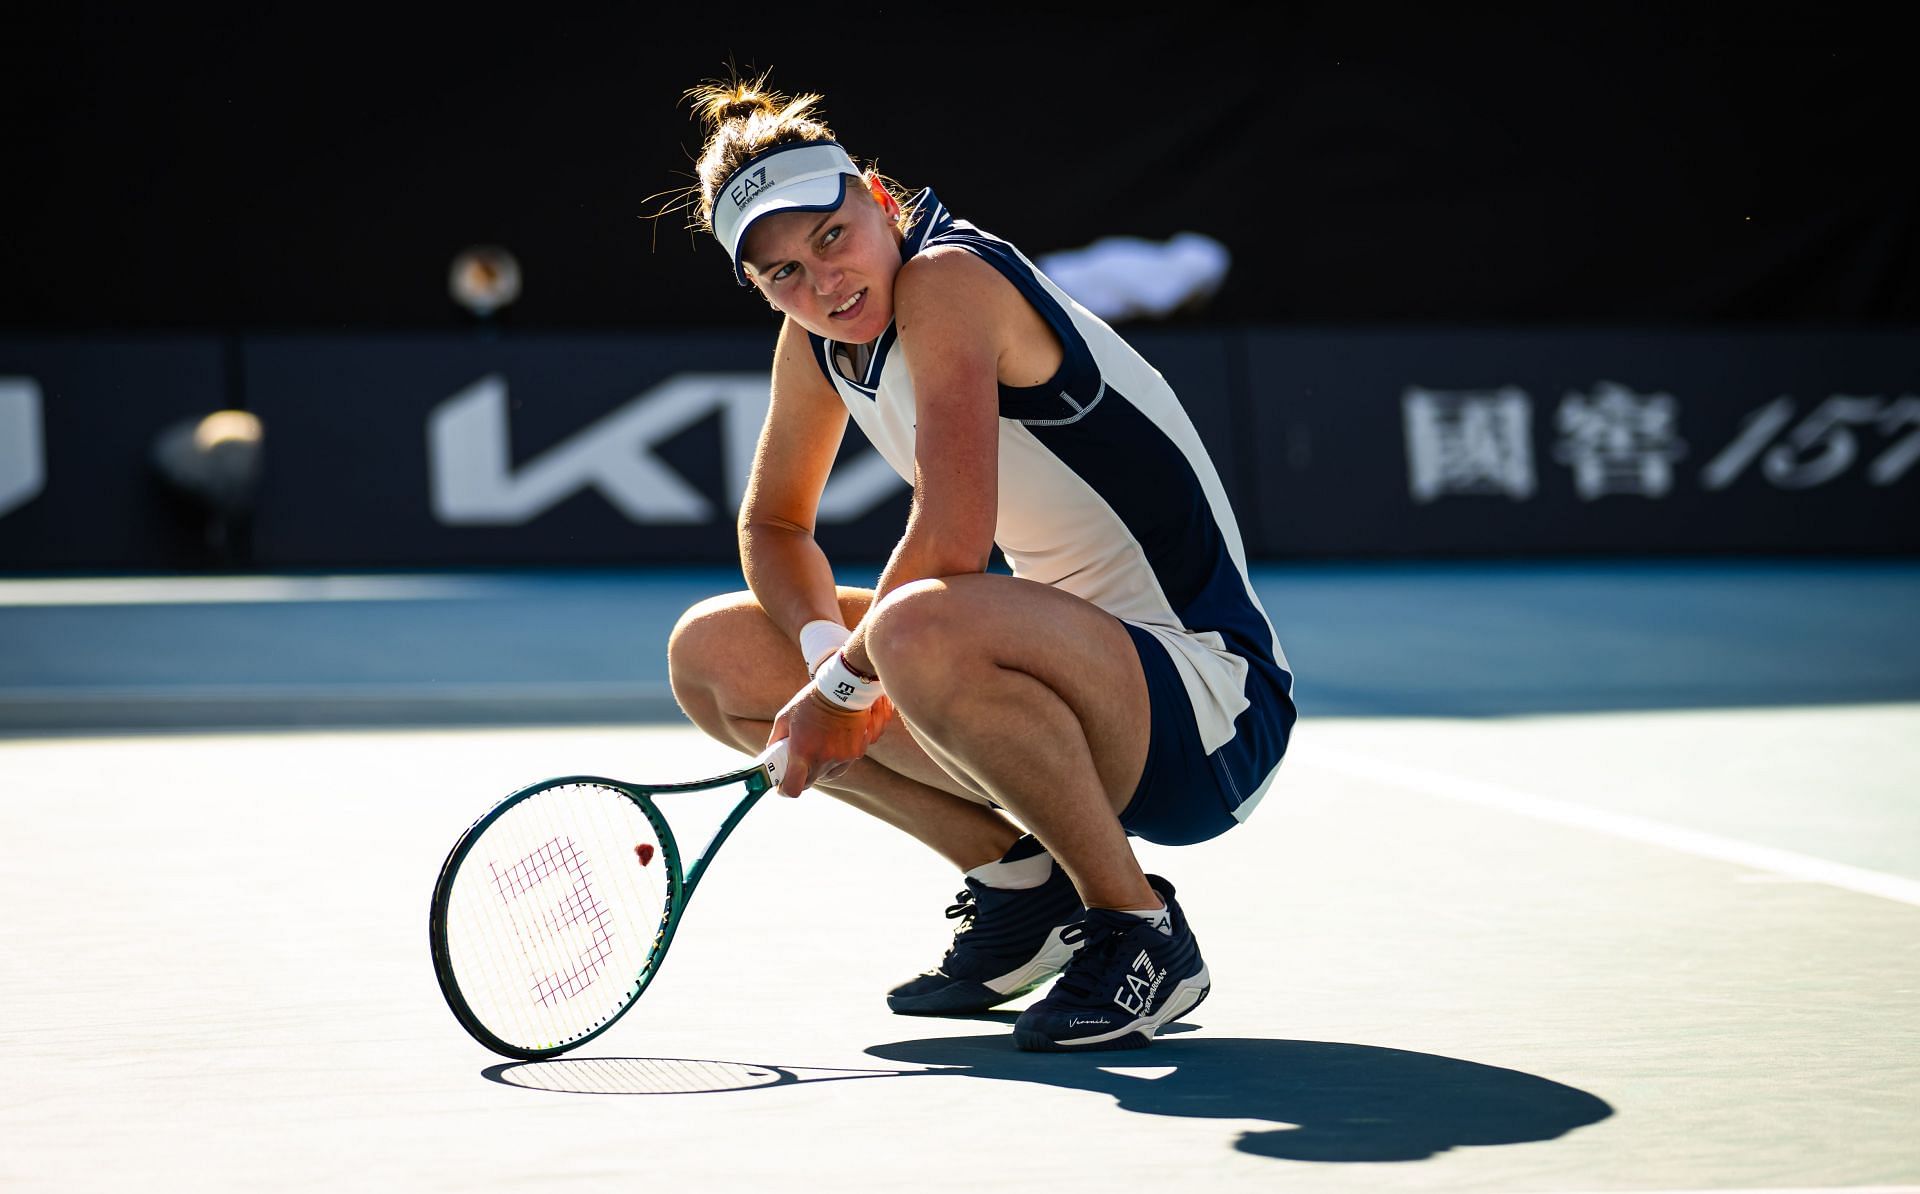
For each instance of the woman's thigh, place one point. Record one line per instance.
(931, 636)
(726, 650)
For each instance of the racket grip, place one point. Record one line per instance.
(774, 759)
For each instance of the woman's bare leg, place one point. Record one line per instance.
(1035, 697)
(732, 670)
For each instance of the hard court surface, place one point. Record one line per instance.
(1580, 877)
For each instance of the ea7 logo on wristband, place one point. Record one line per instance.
(840, 684)
(749, 186)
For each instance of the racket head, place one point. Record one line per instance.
(552, 912)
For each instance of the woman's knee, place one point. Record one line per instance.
(919, 627)
(700, 647)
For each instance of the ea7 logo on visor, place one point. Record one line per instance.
(749, 186)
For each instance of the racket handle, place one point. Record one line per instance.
(774, 759)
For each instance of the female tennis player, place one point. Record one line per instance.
(1123, 681)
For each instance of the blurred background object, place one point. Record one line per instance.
(1122, 278)
(484, 279)
(215, 461)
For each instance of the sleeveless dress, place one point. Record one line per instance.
(1106, 492)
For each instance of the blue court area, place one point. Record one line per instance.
(1459, 640)
(1582, 876)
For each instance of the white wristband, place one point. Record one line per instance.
(818, 639)
(838, 683)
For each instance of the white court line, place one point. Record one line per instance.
(239, 590)
(1772, 1190)
(320, 690)
(1640, 829)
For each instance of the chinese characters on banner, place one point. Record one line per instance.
(1616, 441)
(1469, 442)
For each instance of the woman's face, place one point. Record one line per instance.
(831, 271)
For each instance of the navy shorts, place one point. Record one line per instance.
(1185, 795)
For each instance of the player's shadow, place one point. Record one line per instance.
(1329, 1101)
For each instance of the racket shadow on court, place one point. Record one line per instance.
(1329, 1101)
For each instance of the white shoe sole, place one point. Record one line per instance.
(1051, 960)
(1184, 999)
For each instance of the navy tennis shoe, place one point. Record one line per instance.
(1127, 981)
(1007, 943)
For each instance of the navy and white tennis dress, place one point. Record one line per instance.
(1107, 493)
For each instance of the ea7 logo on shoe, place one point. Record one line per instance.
(1143, 982)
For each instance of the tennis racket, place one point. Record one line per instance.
(553, 911)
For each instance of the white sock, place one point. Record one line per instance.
(1160, 918)
(1014, 876)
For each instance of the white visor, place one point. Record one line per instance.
(809, 176)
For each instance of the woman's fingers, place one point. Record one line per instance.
(823, 741)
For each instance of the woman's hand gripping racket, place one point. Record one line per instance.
(553, 911)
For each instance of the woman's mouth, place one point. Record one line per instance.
(851, 307)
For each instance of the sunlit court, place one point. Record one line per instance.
(1638, 916)
(862, 600)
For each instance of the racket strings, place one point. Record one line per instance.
(580, 906)
(551, 914)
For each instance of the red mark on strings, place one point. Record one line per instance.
(644, 851)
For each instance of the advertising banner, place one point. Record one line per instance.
(1523, 442)
(580, 449)
(588, 449)
(80, 419)
(627, 449)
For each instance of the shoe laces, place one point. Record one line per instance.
(1099, 939)
(963, 909)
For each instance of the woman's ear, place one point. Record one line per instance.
(883, 196)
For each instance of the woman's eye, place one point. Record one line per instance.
(780, 275)
(832, 234)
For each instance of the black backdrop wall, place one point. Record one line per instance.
(317, 167)
(1621, 281)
